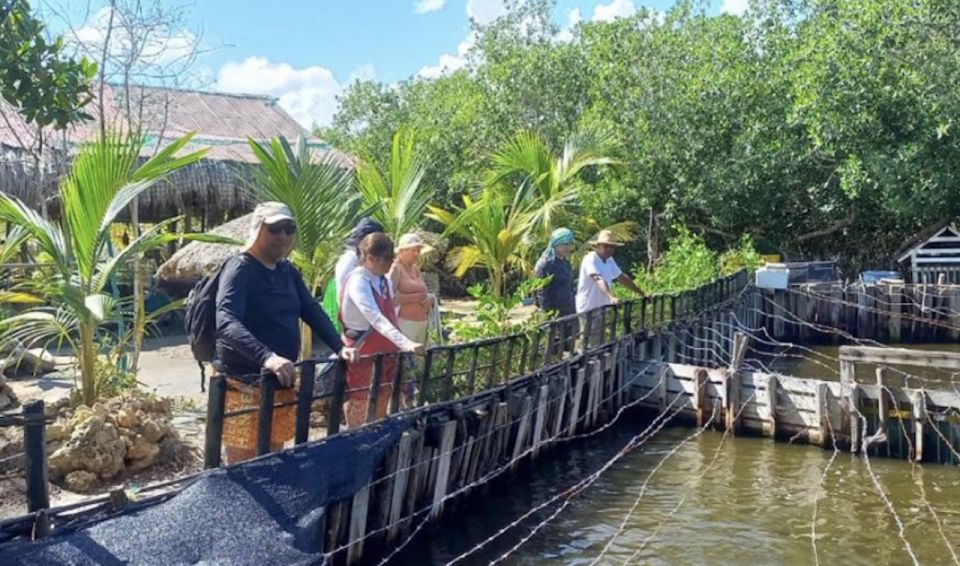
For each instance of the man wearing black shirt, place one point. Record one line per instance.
(260, 302)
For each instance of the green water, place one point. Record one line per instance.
(715, 501)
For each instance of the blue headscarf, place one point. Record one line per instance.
(559, 237)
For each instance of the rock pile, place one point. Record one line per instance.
(7, 398)
(129, 433)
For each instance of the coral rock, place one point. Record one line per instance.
(80, 481)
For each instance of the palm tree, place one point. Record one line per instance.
(321, 195)
(546, 183)
(104, 180)
(398, 191)
(495, 232)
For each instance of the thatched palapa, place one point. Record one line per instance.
(208, 193)
(197, 259)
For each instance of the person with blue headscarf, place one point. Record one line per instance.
(558, 296)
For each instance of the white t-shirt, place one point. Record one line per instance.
(589, 295)
(360, 311)
(348, 262)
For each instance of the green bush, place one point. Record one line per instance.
(690, 263)
(493, 312)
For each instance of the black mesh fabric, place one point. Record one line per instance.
(268, 511)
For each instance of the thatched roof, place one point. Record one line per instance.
(195, 260)
(214, 188)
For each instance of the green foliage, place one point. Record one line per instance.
(321, 195)
(689, 263)
(495, 314)
(822, 128)
(73, 292)
(44, 85)
(397, 194)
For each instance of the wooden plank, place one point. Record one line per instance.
(700, 403)
(520, 441)
(771, 401)
(856, 430)
(575, 402)
(822, 414)
(399, 488)
(595, 378)
(358, 524)
(562, 403)
(732, 402)
(900, 356)
(919, 424)
(541, 418)
(448, 434)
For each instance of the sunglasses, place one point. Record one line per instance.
(287, 228)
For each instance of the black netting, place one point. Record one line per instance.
(268, 511)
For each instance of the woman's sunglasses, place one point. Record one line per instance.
(287, 228)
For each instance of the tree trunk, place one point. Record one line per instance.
(653, 239)
(88, 356)
(139, 293)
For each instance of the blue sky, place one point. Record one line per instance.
(305, 52)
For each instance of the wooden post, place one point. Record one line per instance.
(308, 374)
(846, 385)
(771, 425)
(522, 429)
(919, 423)
(268, 385)
(443, 471)
(575, 404)
(856, 432)
(358, 523)
(216, 398)
(397, 496)
(664, 390)
(700, 379)
(822, 412)
(595, 373)
(35, 447)
(562, 403)
(541, 417)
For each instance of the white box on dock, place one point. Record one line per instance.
(773, 276)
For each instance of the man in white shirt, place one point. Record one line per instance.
(598, 272)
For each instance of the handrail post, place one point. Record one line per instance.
(216, 400)
(308, 376)
(335, 411)
(268, 386)
(373, 397)
(35, 446)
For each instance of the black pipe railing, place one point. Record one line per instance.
(443, 374)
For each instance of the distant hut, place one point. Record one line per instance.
(207, 193)
(932, 253)
(195, 260)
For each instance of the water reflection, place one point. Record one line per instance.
(754, 505)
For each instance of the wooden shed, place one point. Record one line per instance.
(207, 193)
(933, 253)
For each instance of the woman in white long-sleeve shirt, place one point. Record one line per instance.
(369, 322)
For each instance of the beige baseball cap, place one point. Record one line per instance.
(268, 213)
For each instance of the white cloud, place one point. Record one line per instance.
(162, 45)
(615, 9)
(735, 7)
(485, 11)
(574, 17)
(448, 62)
(427, 6)
(308, 94)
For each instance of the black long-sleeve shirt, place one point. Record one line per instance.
(258, 314)
(558, 295)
